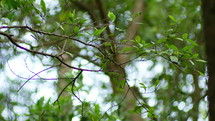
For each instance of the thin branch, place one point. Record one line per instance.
(21, 77)
(72, 82)
(116, 104)
(50, 55)
(34, 76)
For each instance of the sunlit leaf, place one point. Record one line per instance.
(137, 39)
(43, 6)
(97, 32)
(161, 40)
(111, 16)
(60, 25)
(192, 42)
(191, 62)
(173, 47)
(195, 55)
(173, 58)
(71, 17)
(186, 48)
(143, 86)
(202, 61)
(202, 74)
(76, 30)
(184, 36)
(172, 18)
(107, 44)
(136, 15)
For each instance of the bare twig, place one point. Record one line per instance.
(34, 76)
(72, 82)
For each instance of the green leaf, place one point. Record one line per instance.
(173, 58)
(43, 5)
(63, 15)
(173, 47)
(143, 86)
(60, 25)
(202, 74)
(136, 15)
(172, 18)
(184, 36)
(111, 16)
(97, 32)
(195, 55)
(120, 30)
(37, 10)
(186, 48)
(70, 54)
(187, 56)
(161, 40)
(202, 61)
(192, 42)
(76, 30)
(137, 39)
(71, 17)
(170, 31)
(191, 62)
(107, 44)
(127, 49)
(179, 39)
(169, 51)
(82, 21)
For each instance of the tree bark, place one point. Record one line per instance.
(130, 100)
(208, 7)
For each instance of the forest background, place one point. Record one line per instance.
(90, 60)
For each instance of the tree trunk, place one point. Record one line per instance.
(208, 7)
(61, 84)
(130, 101)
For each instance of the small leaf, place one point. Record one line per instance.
(97, 32)
(192, 42)
(143, 86)
(71, 17)
(184, 36)
(179, 39)
(37, 10)
(170, 31)
(111, 16)
(43, 5)
(195, 55)
(173, 47)
(191, 62)
(136, 15)
(173, 58)
(137, 39)
(63, 15)
(161, 40)
(76, 30)
(107, 44)
(143, 42)
(202, 61)
(82, 21)
(187, 56)
(201, 73)
(120, 30)
(127, 49)
(70, 54)
(172, 18)
(186, 48)
(60, 25)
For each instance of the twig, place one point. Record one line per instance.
(72, 82)
(34, 76)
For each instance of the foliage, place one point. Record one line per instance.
(169, 35)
